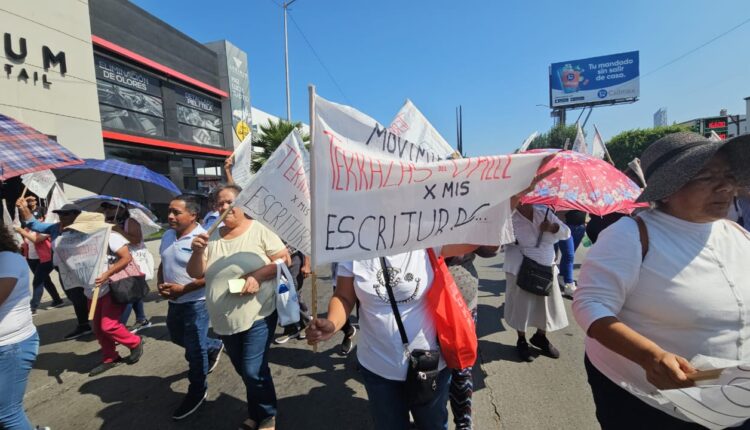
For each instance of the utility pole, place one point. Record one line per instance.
(286, 61)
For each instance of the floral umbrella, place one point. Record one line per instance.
(584, 183)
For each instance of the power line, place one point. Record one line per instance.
(330, 75)
(697, 48)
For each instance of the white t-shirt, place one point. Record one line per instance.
(15, 312)
(690, 294)
(33, 255)
(175, 254)
(116, 241)
(379, 348)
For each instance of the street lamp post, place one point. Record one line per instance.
(286, 62)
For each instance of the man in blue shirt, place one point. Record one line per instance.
(67, 214)
(187, 317)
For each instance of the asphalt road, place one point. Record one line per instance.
(316, 390)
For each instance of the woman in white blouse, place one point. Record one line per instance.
(537, 229)
(383, 364)
(651, 298)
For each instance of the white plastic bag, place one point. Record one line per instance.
(287, 302)
(144, 260)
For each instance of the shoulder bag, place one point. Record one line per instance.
(422, 374)
(533, 277)
(128, 285)
(454, 323)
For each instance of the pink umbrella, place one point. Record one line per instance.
(584, 183)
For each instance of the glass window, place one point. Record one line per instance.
(187, 167)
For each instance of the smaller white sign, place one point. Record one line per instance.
(81, 257)
(39, 183)
(278, 195)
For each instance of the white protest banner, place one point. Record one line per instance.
(56, 201)
(368, 204)
(579, 144)
(635, 166)
(527, 142)
(242, 165)
(599, 148)
(10, 223)
(39, 182)
(412, 125)
(363, 130)
(278, 195)
(148, 226)
(80, 256)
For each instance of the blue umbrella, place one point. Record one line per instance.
(25, 150)
(115, 178)
(92, 203)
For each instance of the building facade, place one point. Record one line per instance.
(660, 118)
(162, 100)
(47, 75)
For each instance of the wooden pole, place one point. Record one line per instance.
(94, 300)
(25, 188)
(705, 375)
(219, 221)
(314, 302)
(314, 289)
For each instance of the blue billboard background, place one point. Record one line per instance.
(609, 78)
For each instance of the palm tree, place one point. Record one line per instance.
(269, 138)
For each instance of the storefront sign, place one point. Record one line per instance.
(198, 101)
(18, 52)
(125, 76)
(199, 118)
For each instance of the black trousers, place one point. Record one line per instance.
(617, 409)
(80, 302)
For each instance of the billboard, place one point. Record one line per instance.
(596, 80)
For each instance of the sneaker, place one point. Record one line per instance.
(213, 358)
(347, 345)
(103, 367)
(290, 332)
(81, 330)
(140, 325)
(569, 289)
(268, 424)
(189, 404)
(522, 347)
(58, 304)
(135, 353)
(301, 335)
(540, 341)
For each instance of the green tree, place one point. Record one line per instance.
(631, 143)
(269, 138)
(555, 137)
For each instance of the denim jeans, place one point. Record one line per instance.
(140, 313)
(248, 351)
(42, 282)
(15, 364)
(568, 250)
(188, 327)
(389, 408)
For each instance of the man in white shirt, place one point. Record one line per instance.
(187, 318)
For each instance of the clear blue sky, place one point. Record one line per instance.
(492, 57)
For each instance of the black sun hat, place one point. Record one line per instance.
(672, 161)
(67, 209)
